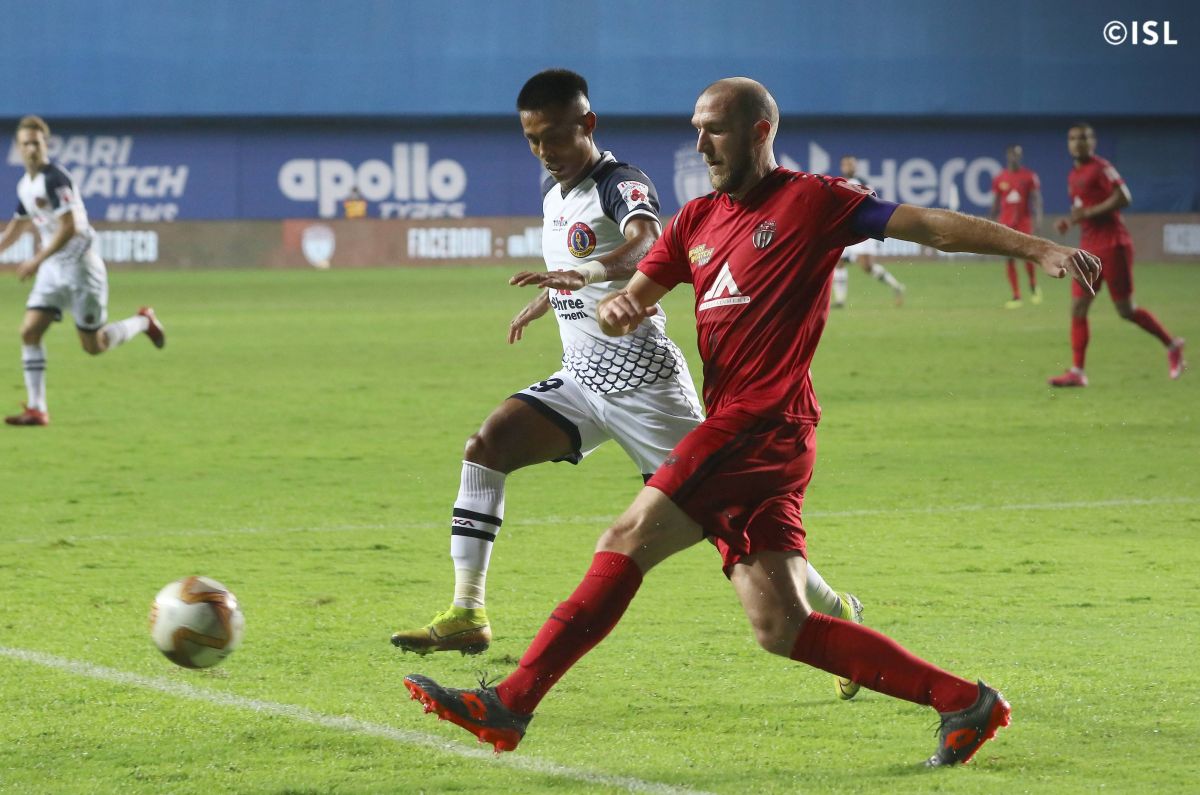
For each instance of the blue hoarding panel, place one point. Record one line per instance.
(452, 171)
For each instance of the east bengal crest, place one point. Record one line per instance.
(763, 235)
(581, 240)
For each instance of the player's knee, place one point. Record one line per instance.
(92, 347)
(480, 449)
(1126, 310)
(776, 634)
(627, 536)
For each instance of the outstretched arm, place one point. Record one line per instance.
(66, 231)
(950, 231)
(618, 265)
(13, 231)
(622, 311)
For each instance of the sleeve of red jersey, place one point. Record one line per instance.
(667, 263)
(841, 198)
(1110, 173)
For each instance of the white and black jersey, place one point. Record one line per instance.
(586, 223)
(45, 198)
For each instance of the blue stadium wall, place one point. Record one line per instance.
(254, 110)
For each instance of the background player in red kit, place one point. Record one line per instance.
(760, 252)
(1017, 203)
(1097, 195)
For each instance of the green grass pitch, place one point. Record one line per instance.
(299, 439)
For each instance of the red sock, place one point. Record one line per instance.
(844, 648)
(1031, 270)
(1079, 339)
(1149, 322)
(1012, 280)
(574, 627)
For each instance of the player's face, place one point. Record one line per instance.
(725, 141)
(1081, 142)
(32, 145)
(562, 139)
(1015, 154)
(849, 166)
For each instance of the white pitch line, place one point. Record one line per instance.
(602, 521)
(341, 723)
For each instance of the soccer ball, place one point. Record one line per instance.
(196, 622)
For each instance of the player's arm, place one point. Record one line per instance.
(532, 311)
(66, 231)
(1119, 199)
(620, 312)
(1035, 203)
(994, 213)
(618, 265)
(13, 231)
(950, 231)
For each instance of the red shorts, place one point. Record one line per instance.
(742, 479)
(1116, 270)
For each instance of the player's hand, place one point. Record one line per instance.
(557, 280)
(1079, 214)
(27, 269)
(1062, 225)
(619, 313)
(532, 311)
(1082, 266)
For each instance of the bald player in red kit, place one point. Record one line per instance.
(760, 251)
(1097, 195)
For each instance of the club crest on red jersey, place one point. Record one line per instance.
(581, 240)
(763, 235)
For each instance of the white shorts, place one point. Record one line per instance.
(78, 284)
(869, 247)
(647, 422)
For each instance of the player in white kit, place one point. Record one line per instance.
(863, 254)
(68, 272)
(599, 218)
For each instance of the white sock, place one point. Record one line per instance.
(879, 272)
(33, 360)
(821, 597)
(841, 284)
(119, 331)
(478, 514)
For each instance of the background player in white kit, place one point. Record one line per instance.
(69, 274)
(600, 217)
(863, 254)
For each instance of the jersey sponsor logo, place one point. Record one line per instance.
(559, 223)
(763, 235)
(581, 240)
(634, 193)
(700, 255)
(723, 292)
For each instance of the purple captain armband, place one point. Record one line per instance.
(871, 217)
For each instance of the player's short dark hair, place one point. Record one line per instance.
(1083, 125)
(552, 88)
(34, 123)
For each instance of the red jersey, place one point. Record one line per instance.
(1088, 184)
(761, 268)
(1015, 190)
